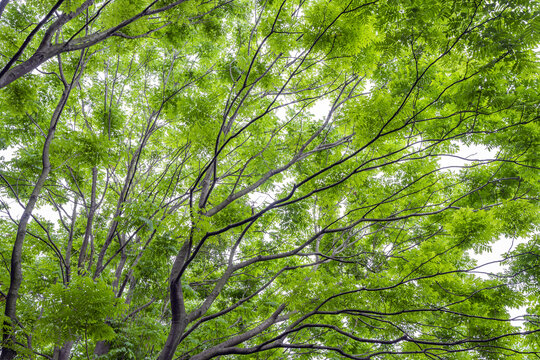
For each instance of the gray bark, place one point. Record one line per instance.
(16, 276)
(64, 352)
(179, 319)
(88, 230)
(102, 348)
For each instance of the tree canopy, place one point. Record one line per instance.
(277, 179)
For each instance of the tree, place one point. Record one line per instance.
(269, 178)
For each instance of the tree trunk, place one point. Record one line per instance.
(102, 348)
(64, 352)
(178, 322)
(179, 319)
(69, 247)
(88, 231)
(8, 337)
(175, 332)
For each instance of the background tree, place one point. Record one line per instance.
(234, 178)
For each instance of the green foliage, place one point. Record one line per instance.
(83, 309)
(136, 339)
(472, 229)
(300, 172)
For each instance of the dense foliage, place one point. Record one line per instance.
(269, 179)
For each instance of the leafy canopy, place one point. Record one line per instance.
(269, 179)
